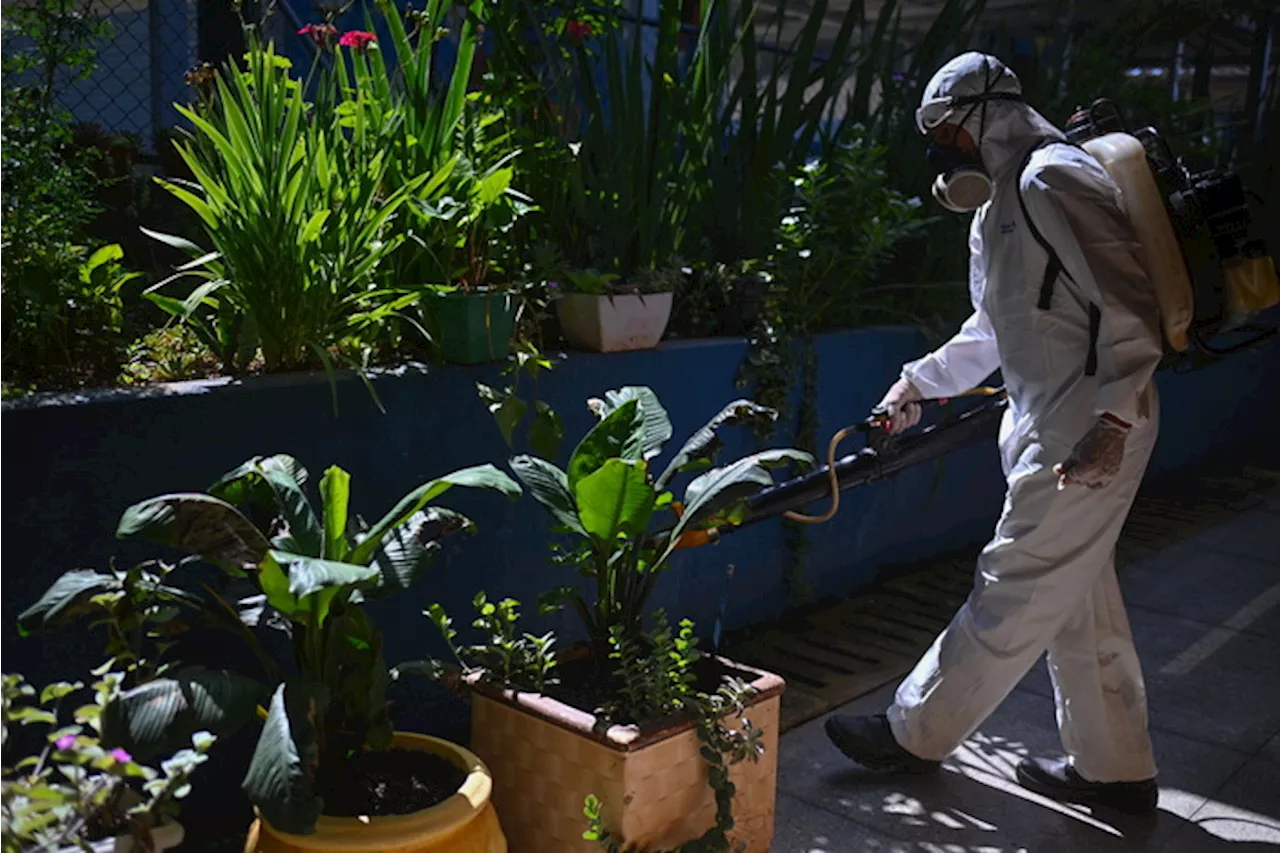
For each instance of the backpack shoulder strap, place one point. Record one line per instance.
(1055, 267)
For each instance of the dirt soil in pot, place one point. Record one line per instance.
(588, 686)
(104, 825)
(393, 782)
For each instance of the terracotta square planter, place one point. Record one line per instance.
(546, 757)
(614, 324)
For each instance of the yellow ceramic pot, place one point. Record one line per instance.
(464, 823)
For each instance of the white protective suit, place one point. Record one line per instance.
(1046, 581)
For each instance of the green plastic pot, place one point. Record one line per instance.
(474, 328)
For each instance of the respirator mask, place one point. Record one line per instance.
(962, 183)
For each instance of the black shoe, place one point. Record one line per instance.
(870, 742)
(1058, 780)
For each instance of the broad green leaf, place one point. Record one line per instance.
(508, 415)
(104, 255)
(335, 491)
(159, 717)
(310, 584)
(550, 487)
(305, 529)
(255, 610)
(619, 435)
(29, 716)
(703, 444)
(477, 477)
(408, 549)
(68, 599)
(281, 776)
(58, 690)
(720, 487)
(657, 425)
(493, 186)
(615, 500)
(546, 431)
(198, 524)
(274, 581)
(244, 484)
(272, 482)
(174, 307)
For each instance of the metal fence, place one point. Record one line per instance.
(150, 45)
(142, 61)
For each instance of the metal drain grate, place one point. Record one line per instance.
(840, 651)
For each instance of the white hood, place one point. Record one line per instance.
(1004, 129)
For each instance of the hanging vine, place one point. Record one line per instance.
(657, 679)
(842, 225)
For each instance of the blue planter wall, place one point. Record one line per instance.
(71, 467)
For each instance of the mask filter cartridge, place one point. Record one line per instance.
(962, 184)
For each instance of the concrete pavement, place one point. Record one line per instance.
(1206, 621)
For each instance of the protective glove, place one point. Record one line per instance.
(1096, 458)
(899, 405)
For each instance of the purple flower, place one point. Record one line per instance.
(65, 742)
(121, 756)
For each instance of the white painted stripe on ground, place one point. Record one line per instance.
(1210, 643)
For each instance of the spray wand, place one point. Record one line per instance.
(878, 419)
(866, 466)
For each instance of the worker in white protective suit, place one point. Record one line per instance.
(1062, 306)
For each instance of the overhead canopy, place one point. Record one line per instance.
(1232, 41)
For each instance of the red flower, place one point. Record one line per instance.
(357, 39)
(322, 34)
(578, 29)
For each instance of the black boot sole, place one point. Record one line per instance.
(1130, 802)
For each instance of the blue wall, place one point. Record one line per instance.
(69, 469)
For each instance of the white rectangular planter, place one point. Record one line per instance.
(614, 323)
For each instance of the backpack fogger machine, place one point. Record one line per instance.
(1205, 240)
(1204, 233)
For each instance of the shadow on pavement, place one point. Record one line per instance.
(969, 808)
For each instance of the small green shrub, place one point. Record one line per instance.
(63, 315)
(170, 354)
(75, 789)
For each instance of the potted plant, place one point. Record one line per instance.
(301, 216)
(327, 766)
(473, 318)
(599, 315)
(633, 722)
(721, 300)
(455, 244)
(73, 793)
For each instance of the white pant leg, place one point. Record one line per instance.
(1097, 684)
(1034, 577)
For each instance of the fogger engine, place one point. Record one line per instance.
(1204, 233)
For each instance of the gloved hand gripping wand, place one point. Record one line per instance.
(878, 419)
